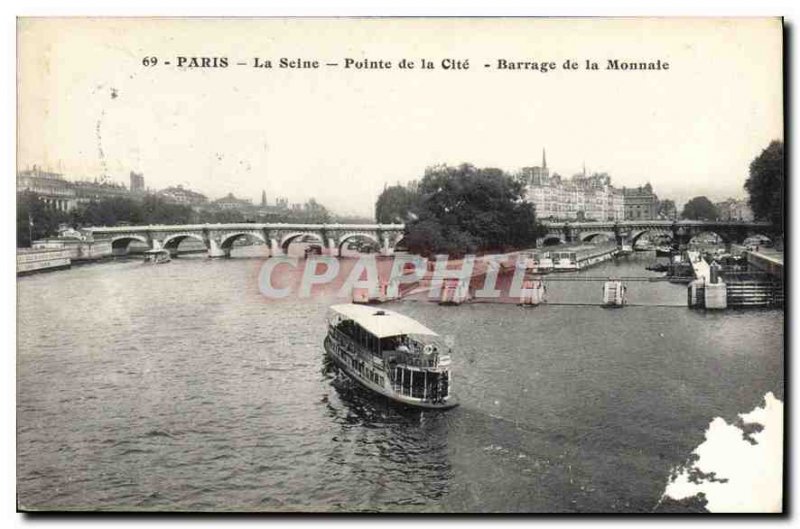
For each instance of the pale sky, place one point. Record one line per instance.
(339, 135)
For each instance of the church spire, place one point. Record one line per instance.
(544, 160)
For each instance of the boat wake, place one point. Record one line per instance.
(738, 468)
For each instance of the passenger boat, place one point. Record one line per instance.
(157, 256)
(390, 354)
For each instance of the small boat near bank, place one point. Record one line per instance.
(657, 267)
(624, 250)
(663, 251)
(157, 256)
(390, 354)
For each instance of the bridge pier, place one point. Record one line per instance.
(386, 250)
(275, 248)
(569, 233)
(618, 236)
(215, 250)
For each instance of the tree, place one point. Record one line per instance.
(35, 219)
(465, 210)
(700, 208)
(396, 204)
(109, 211)
(765, 185)
(667, 209)
(315, 212)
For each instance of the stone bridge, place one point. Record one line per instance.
(219, 238)
(629, 231)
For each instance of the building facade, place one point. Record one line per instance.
(231, 202)
(581, 197)
(180, 195)
(51, 188)
(54, 190)
(137, 183)
(640, 203)
(88, 191)
(733, 209)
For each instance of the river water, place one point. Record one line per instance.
(181, 387)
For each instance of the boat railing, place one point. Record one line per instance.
(401, 359)
(413, 358)
(354, 348)
(420, 359)
(407, 388)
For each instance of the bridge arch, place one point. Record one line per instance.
(552, 240)
(590, 236)
(636, 235)
(725, 237)
(119, 244)
(290, 238)
(348, 236)
(173, 241)
(227, 240)
(758, 238)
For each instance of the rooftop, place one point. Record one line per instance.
(381, 323)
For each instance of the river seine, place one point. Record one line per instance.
(181, 387)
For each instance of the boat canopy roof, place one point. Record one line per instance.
(380, 322)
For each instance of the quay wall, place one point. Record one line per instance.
(771, 264)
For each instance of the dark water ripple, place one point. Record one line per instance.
(180, 387)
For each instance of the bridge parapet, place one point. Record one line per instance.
(219, 238)
(680, 230)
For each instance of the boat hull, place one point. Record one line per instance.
(394, 397)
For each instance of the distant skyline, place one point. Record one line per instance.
(272, 200)
(88, 106)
